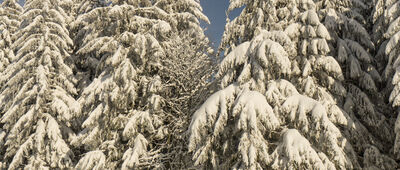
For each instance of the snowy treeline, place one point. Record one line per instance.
(134, 84)
(303, 85)
(100, 84)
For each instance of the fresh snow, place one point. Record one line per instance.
(110, 84)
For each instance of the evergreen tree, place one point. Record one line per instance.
(279, 51)
(353, 48)
(10, 12)
(132, 109)
(37, 99)
(237, 127)
(112, 84)
(386, 19)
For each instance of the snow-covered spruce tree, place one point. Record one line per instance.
(256, 14)
(387, 18)
(131, 109)
(37, 99)
(347, 22)
(237, 127)
(10, 12)
(302, 24)
(335, 16)
(294, 48)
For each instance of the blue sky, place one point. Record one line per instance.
(215, 10)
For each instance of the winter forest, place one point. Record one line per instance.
(136, 84)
